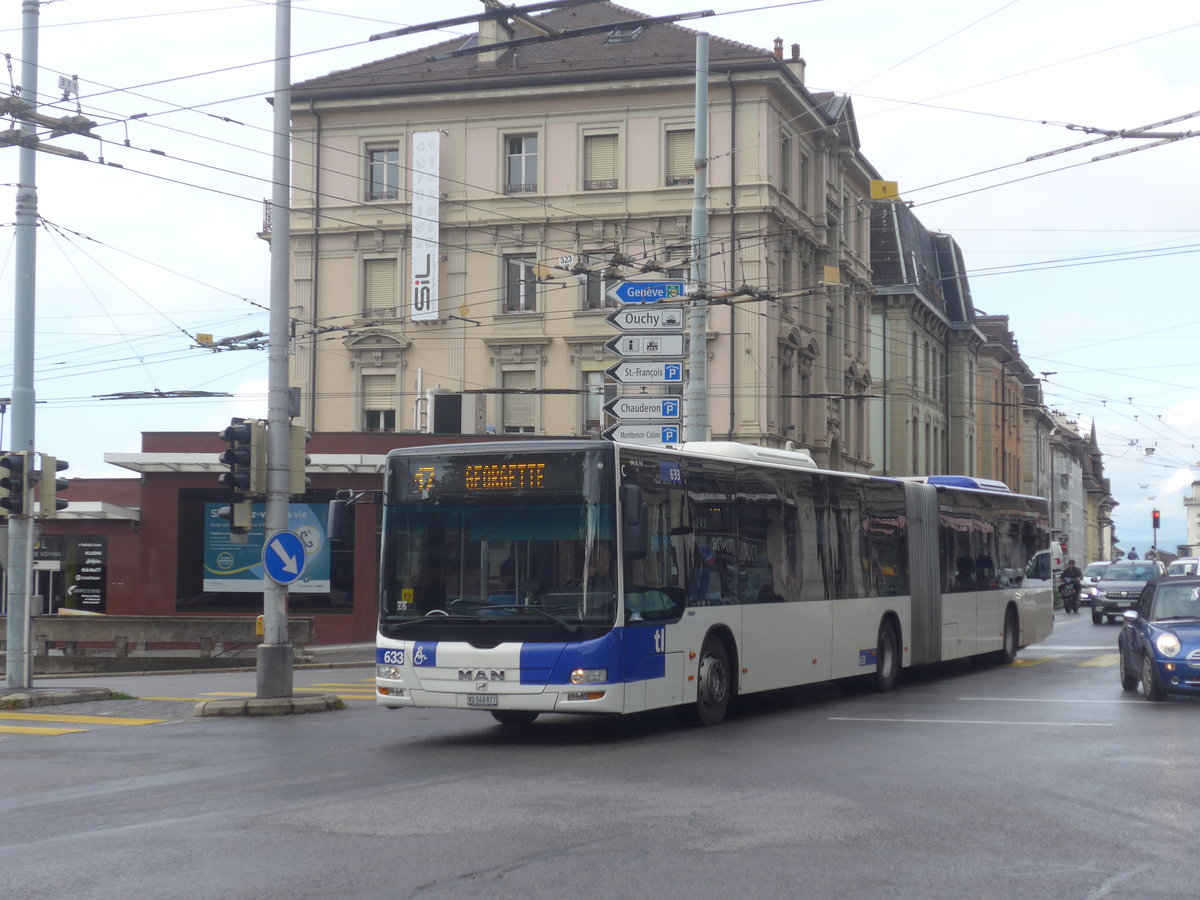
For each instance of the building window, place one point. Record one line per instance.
(379, 402)
(785, 165)
(518, 410)
(600, 162)
(379, 288)
(805, 180)
(596, 393)
(521, 158)
(383, 173)
(520, 289)
(597, 284)
(681, 156)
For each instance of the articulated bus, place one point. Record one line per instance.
(585, 576)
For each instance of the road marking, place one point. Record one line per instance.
(1108, 659)
(1032, 662)
(970, 722)
(1040, 700)
(175, 699)
(29, 729)
(77, 720)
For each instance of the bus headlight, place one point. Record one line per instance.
(1167, 644)
(391, 673)
(589, 676)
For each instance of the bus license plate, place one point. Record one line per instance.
(483, 699)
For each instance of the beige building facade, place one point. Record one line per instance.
(563, 169)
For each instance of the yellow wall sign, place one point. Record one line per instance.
(884, 190)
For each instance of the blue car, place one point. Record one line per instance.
(1160, 640)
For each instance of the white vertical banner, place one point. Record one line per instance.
(426, 177)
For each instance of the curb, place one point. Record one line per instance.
(270, 706)
(53, 697)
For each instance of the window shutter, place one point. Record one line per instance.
(379, 391)
(600, 162)
(519, 408)
(379, 284)
(681, 157)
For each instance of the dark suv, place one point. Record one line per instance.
(1121, 586)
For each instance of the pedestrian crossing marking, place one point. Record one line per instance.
(31, 729)
(77, 720)
(1101, 662)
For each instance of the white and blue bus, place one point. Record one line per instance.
(584, 576)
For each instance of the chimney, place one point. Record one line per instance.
(797, 63)
(492, 30)
(779, 49)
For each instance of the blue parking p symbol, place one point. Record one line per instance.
(670, 434)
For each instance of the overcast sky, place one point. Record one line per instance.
(1094, 262)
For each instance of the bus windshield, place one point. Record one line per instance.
(480, 542)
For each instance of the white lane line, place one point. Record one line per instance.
(1040, 700)
(1073, 648)
(970, 722)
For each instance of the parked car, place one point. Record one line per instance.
(1160, 640)
(1186, 565)
(1091, 575)
(1121, 586)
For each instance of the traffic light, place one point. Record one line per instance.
(49, 503)
(1155, 518)
(298, 460)
(14, 483)
(246, 457)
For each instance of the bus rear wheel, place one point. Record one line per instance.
(714, 683)
(514, 716)
(887, 657)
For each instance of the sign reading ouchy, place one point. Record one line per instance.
(426, 177)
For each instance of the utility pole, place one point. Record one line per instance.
(19, 659)
(274, 660)
(697, 389)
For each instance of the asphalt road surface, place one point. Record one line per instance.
(1042, 779)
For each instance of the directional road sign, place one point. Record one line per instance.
(644, 434)
(628, 408)
(633, 371)
(284, 557)
(646, 291)
(647, 318)
(642, 346)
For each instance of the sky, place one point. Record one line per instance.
(153, 239)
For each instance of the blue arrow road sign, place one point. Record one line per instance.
(284, 557)
(646, 291)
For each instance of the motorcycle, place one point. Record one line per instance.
(1068, 590)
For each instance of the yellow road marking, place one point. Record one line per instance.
(77, 720)
(1031, 662)
(179, 699)
(1100, 662)
(27, 729)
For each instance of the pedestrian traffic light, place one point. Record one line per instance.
(1155, 517)
(298, 460)
(246, 457)
(49, 503)
(14, 483)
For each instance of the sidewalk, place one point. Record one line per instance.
(43, 691)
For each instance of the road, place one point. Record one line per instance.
(1042, 779)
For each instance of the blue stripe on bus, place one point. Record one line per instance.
(644, 656)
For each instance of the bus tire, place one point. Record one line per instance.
(714, 683)
(887, 657)
(514, 717)
(1010, 640)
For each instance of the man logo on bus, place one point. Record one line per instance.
(479, 675)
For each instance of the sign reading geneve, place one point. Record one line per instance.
(644, 434)
(646, 291)
(631, 346)
(646, 372)
(647, 318)
(643, 408)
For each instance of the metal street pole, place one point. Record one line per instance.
(274, 662)
(697, 388)
(19, 659)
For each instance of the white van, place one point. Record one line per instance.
(1186, 565)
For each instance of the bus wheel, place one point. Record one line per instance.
(887, 657)
(514, 716)
(1008, 644)
(714, 684)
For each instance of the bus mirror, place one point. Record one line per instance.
(338, 524)
(635, 535)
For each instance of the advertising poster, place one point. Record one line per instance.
(230, 567)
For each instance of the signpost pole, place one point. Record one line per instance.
(697, 386)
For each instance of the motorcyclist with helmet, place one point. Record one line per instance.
(1069, 585)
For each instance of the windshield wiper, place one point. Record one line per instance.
(426, 618)
(569, 627)
(1176, 618)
